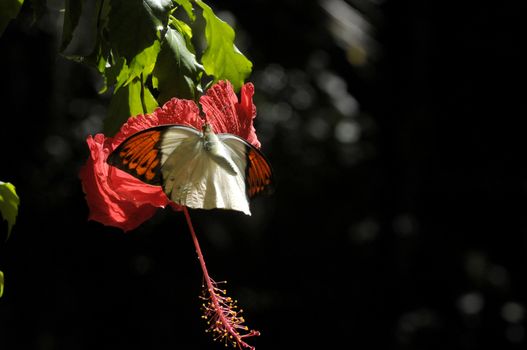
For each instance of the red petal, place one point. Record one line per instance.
(226, 115)
(114, 197)
(246, 113)
(175, 111)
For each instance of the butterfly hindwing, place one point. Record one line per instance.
(256, 168)
(259, 174)
(199, 178)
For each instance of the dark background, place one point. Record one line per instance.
(399, 219)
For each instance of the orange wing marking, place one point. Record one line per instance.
(259, 174)
(140, 155)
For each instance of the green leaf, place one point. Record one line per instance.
(100, 54)
(187, 6)
(81, 29)
(177, 71)
(222, 59)
(39, 8)
(1, 283)
(118, 72)
(133, 24)
(8, 11)
(185, 30)
(121, 74)
(128, 101)
(9, 202)
(72, 14)
(143, 63)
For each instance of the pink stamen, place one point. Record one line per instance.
(220, 311)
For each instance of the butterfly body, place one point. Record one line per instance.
(198, 169)
(217, 151)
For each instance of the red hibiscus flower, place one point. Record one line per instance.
(118, 199)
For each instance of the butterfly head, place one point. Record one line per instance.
(207, 128)
(210, 140)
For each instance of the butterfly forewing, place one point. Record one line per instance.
(143, 154)
(140, 156)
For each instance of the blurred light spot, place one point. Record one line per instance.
(347, 105)
(318, 128)
(515, 333)
(512, 312)
(365, 231)
(405, 225)
(357, 56)
(298, 78)
(471, 303)
(332, 84)
(57, 147)
(273, 78)
(302, 99)
(142, 264)
(413, 321)
(337, 89)
(347, 131)
(351, 31)
(282, 111)
(92, 124)
(476, 265)
(303, 94)
(498, 276)
(275, 112)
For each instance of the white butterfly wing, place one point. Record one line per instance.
(194, 179)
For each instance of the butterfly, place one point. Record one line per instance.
(197, 169)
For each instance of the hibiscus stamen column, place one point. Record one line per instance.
(221, 312)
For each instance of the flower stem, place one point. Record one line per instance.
(220, 311)
(198, 249)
